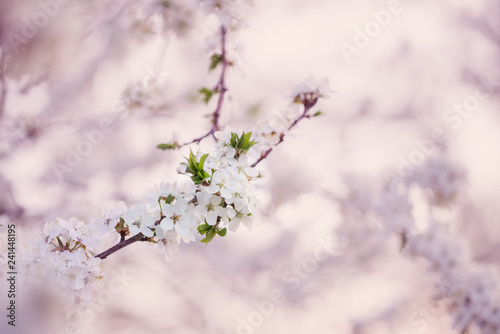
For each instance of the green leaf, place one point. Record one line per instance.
(317, 113)
(209, 237)
(222, 232)
(192, 160)
(196, 168)
(204, 228)
(234, 140)
(202, 161)
(246, 138)
(243, 143)
(167, 146)
(193, 164)
(215, 60)
(206, 94)
(189, 170)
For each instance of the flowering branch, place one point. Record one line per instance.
(219, 88)
(307, 99)
(239, 145)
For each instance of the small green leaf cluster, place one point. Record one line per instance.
(241, 144)
(207, 94)
(210, 231)
(195, 168)
(215, 60)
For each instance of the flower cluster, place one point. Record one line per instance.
(220, 196)
(61, 255)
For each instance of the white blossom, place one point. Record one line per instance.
(168, 244)
(209, 207)
(140, 218)
(107, 218)
(312, 86)
(179, 216)
(61, 257)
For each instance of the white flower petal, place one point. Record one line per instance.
(211, 218)
(167, 224)
(182, 229)
(147, 232)
(226, 193)
(231, 213)
(212, 189)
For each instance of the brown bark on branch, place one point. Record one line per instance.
(122, 244)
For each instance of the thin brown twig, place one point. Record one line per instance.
(221, 89)
(122, 244)
(308, 103)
